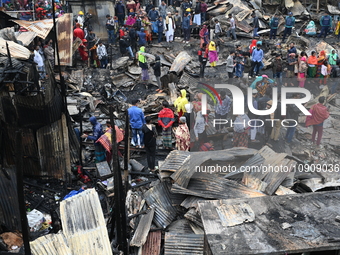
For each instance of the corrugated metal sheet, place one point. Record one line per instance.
(153, 243)
(158, 197)
(31, 162)
(52, 244)
(84, 225)
(183, 244)
(213, 187)
(290, 224)
(51, 150)
(16, 50)
(26, 37)
(41, 27)
(194, 216)
(9, 208)
(174, 161)
(191, 201)
(140, 236)
(65, 39)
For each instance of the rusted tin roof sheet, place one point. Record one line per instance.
(16, 50)
(177, 244)
(65, 39)
(158, 197)
(41, 27)
(275, 225)
(26, 37)
(84, 225)
(174, 161)
(153, 243)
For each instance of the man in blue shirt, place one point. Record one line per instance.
(326, 24)
(274, 24)
(120, 12)
(137, 121)
(186, 28)
(290, 22)
(257, 57)
(141, 37)
(160, 26)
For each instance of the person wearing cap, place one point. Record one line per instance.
(80, 19)
(182, 135)
(165, 119)
(178, 25)
(222, 109)
(137, 120)
(290, 22)
(150, 134)
(274, 24)
(184, 6)
(186, 28)
(97, 132)
(326, 25)
(169, 28)
(257, 57)
(157, 72)
(277, 71)
(256, 24)
(141, 37)
(120, 12)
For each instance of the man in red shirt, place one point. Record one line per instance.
(165, 119)
(78, 32)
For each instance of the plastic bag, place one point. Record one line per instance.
(35, 220)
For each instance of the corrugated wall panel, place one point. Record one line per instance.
(51, 150)
(52, 244)
(9, 207)
(84, 225)
(65, 39)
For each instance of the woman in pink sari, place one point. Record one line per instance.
(130, 21)
(213, 57)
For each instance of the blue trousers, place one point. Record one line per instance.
(135, 138)
(288, 31)
(324, 31)
(290, 134)
(203, 14)
(160, 35)
(111, 34)
(273, 33)
(255, 32)
(239, 70)
(130, 51)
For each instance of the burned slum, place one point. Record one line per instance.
(77, 176)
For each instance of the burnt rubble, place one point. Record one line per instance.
(186, 206)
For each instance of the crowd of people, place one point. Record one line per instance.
(35, 10)
(134, 27)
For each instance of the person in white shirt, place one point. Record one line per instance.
(102, 55)
(199, 129)
(232, 26)
(40, 62)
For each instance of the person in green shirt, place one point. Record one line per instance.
(332, 58)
